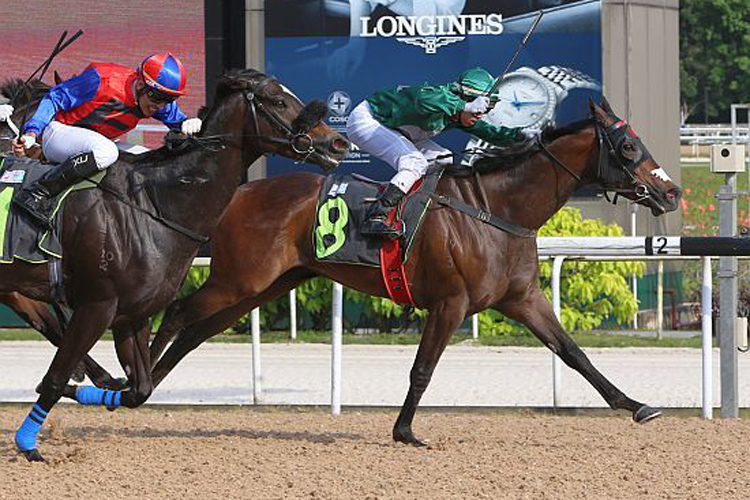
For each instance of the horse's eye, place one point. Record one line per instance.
(628, 151)
(279, 103)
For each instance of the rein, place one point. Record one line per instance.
(155, 216)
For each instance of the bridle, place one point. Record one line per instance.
(300, 141)
(621, 152)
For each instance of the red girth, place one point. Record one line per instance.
(113, 111)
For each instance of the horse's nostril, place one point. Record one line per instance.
(340, 145)
(674, 194)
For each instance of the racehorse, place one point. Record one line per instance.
(128, 245)
(25, 98)
(459, 265)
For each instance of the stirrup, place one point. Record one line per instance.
(378, 227)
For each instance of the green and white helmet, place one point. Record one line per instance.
(473, 83)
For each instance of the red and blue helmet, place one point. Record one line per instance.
(164, 73)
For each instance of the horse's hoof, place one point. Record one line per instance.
(79, 374)
(645, 413)
(111, 383)
(406, 436)
(32, 455)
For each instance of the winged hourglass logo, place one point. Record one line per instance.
(430, 44)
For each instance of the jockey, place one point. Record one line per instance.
(396, 126)
(78, 119)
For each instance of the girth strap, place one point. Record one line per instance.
(484, 216)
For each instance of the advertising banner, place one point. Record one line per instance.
(342, 51)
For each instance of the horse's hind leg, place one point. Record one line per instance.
(536, 313)
(86, 326)
(442, 323)
(132, 351)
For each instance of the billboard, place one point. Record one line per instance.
(342, 51)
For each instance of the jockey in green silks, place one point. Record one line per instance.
(396, 126)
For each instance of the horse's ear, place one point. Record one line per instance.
(599, 114)
(592, 106)
(606, 107)
(58, 78)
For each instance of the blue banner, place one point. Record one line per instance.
(320, 51)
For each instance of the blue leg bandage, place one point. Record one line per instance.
(89, 395)
(27, 433)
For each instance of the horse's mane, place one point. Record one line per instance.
(497, 158)
(20, 93)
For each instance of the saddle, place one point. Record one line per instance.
(20, 237)
(342, 208)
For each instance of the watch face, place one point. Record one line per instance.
(525, 101)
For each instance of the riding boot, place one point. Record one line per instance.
(35, 198)
(376, 218)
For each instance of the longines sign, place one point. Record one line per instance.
(432, 32)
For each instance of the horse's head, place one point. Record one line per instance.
(627, 168)
(278, 122)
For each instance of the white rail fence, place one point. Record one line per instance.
(560, 249)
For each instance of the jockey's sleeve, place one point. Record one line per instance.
(171, 115)
(64, 96)
(438, 99)
(499, 136)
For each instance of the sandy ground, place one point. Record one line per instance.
(242, 452)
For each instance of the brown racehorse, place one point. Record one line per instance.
(459, 266)
(25, 98)
(128, 244)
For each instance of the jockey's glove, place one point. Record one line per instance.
(28, 141)
(478, 106)
(191, 126)
(6, 111)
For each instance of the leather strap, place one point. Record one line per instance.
(484, 216)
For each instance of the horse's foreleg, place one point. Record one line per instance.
(536, 313)
(37, 315)
(442, 322)
(86, 326)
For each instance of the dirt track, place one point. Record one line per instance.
(247, 453)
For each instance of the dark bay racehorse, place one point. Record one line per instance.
(25, 99)
(459, 266)
(129, 244)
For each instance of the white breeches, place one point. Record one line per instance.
(410, 159)
(60, 142)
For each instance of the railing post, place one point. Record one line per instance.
(336, 341)
(255, 328)
(556, 368)
(707, 332)
(293, 314)
(660, 299)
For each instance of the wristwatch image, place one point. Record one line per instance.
(528, 97)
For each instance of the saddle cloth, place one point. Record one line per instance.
(342, 208)
(20, 237)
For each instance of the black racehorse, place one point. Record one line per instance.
(25, 98)
(128, 245)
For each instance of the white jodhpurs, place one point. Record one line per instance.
(60, 142)
(410, 159)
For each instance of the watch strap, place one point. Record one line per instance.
(568, 78)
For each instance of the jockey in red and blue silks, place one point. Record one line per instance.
(78, 119)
